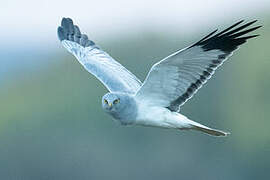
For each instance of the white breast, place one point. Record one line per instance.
(152, 116)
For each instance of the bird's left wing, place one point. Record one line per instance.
(112, 74)
(175, 79)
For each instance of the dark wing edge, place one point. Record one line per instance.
(226, 41)
(112, 74)
(71, 32)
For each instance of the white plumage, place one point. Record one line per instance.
(169, 84)
(112, 74)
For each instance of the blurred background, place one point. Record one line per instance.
(51, 122)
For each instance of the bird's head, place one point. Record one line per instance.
(111, 102)
(120, 106)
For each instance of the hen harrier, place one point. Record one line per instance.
(169, 84)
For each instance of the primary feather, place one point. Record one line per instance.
(175, 79)
(169, 83)
(111, 73)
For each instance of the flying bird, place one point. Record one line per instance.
(169, 84)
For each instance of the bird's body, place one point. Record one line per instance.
(135, 113)
(161, 117)
(169, 84)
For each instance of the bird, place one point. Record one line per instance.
(156, 102)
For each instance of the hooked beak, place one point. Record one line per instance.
(110, 104)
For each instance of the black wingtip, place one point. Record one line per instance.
(65, 28)
(207, 36)
(244, 32)
(229, 28)
(66, 22)
(248, 37)
(228, 39)
(239, 28)
(61, 33)
(69, 31)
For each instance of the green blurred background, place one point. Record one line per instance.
(52, 125)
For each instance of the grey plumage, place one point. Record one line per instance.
(125, 110)
(227, 41)
(71, 32)
(113, 75)
(169, 84)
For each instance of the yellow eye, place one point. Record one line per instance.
(116, 101)
(105, 101)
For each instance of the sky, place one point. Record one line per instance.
(28, 28)
(51, 121)
(31, 22)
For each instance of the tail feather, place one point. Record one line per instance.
(213, 132)
(199, 127)
(183, 123)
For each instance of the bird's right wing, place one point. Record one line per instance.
(175, 79)
(111, 73)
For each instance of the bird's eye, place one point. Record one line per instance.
(105, 101)
(116, 101)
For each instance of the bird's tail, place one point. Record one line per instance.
(210, 131)
(199, 127)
